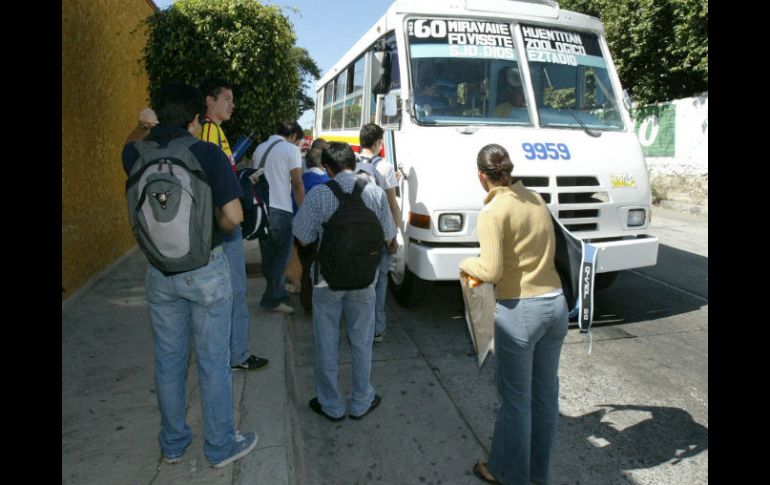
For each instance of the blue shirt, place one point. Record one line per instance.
(310, 179)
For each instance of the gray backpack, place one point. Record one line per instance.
(170, 206)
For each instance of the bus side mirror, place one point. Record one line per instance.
(380, 70)
(390, 105)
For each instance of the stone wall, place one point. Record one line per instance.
(103, 89)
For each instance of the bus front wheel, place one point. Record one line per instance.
(412, 291)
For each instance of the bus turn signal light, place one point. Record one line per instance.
(419, 220)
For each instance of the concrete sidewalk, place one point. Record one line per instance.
(110, 417)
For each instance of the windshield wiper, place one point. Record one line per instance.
(589, 131)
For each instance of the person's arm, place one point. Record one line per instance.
(394, 209)
(147, 119)
(306, 223)
(230, 216)
(386, 221)
(139, 133)
(297, 185)
(489, 265)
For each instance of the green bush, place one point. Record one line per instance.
(246, 43)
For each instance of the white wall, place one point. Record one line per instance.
(674, 137)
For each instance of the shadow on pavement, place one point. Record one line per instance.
(621, 437)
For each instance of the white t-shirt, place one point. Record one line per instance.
(283, 158)
(383, 172)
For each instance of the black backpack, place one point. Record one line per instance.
(170, 206)
(262, 188)
(349, 253)
(254, 223)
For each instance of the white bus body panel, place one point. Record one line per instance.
(435, 167)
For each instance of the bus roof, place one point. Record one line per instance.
(545, 11)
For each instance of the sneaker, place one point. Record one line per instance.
(282, 308)
(244, 444)
(252, 363)
(177, 458)
(379, 337)
(172, 459)
(375, 402)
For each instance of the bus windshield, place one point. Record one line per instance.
(570, 79)
(465, 72)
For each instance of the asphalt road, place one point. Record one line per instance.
(634, 410)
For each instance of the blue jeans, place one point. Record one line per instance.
(358, 309)
(197, 303)
(275, 250)
(529, 333)
(381, 289)
(232, 244)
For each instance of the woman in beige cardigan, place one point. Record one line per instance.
(517, 255)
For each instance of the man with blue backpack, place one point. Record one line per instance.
(179, 190)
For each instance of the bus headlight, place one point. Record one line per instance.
(635, 217)
(450, 222)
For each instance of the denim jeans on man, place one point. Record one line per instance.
(358, 309)
(381, 289)
(529, 333)
(232, 243)
(197, 303)
(275, 250)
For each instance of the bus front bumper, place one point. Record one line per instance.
(443, 263)
(626, 254)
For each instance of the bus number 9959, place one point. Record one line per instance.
(543, 151)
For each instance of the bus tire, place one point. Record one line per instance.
(412, 292)
(605, 280)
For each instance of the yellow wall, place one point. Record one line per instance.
(103, 90)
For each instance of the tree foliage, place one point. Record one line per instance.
(308, 72)
(660, 47)
(246, 43)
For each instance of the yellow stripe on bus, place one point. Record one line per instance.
(350, 140)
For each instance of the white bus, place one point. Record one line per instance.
(446, 77)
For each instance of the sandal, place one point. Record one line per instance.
(481, 471)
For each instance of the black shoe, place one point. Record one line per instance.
(316, 407)
(375, 402)
(252, 363)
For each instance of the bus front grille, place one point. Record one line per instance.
(572, 193)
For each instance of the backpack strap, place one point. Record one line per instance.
(219, 133)
(345, 197)
(264, 157)
(358, 188)
(145, 147)
(373, 160)
(336, 190)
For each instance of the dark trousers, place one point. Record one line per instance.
(306, 255)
